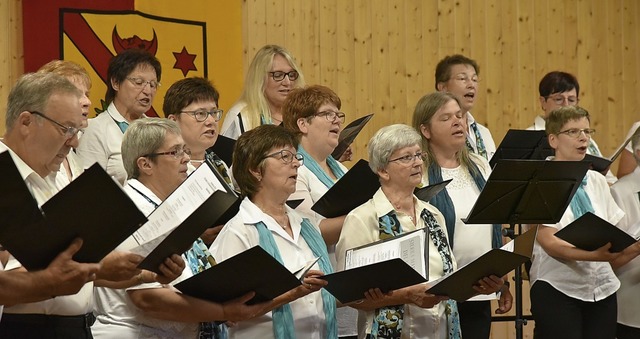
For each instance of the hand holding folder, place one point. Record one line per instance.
(92, 207)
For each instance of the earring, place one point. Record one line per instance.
(259, 178)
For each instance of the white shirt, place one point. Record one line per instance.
(231, 123)
(626, 193)
(469, 241)
(240, 234)
(539, 124)
(75, 165)
(582, 280)
(311, 189)
(101, 143)
(485, 134)
(80, 303)
(117, 316)
(361, 227)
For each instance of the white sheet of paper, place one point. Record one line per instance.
(409, 247)
(197, 188)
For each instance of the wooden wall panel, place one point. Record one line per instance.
(11, 53)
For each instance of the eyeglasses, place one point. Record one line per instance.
(286, 156)
(202, 114)
(575, 132)
(331, 116)
(141, 83)
(279, 75)
(560, 100)
(409, 158)
(465, 79)
(69, 132)
(177, 153)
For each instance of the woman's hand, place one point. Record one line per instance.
(506, 300)
(489, 285)
(311, 283)
(210, 234)
(420, 296)
(171, 269)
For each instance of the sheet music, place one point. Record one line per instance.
(199, 186)
(409, 247)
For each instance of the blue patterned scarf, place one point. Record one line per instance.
(315, 168)
(444, 203)
(283, 327)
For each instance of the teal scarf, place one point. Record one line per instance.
(282, 317)
(580, 203)
(315, 168)
(444, 203)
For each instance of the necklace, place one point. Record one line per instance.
(282, 220)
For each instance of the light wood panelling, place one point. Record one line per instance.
(11, 53)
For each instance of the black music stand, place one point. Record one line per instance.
(522, 144)
(526, 192)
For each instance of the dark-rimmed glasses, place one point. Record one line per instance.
(202, 114)
(141, 83)
(409, 158)
(332, 116)
(286, 156)
(177, 153)
(575, 132)
(69, 132)
(279, 75)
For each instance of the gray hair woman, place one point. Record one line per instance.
(396, 157)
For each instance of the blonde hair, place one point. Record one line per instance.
(255, 81)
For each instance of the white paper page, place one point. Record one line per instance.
(509, 247)
(409, 247)
(303, 271)
(197, 188)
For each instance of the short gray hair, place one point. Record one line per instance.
(32, 92)
(144, 136)
(387, 140)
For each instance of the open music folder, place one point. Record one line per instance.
(388, 264)
(349, 134)
(223, 148)
(355, 188)
(252, 270)
(590, 232)
(203, 200)
(458, 285)
(93, 207)
(428, 192)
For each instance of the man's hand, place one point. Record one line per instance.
(66, 276)
(119, 266)
(506, 300)
(171, 269)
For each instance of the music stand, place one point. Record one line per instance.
(526, 192)
(523, 144)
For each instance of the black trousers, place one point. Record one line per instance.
(558, 316)
(475, 319)
(27, 326)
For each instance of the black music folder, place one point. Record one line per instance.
(389, 275)
(223, 148)
(368, 266)
(92, 207)
(590, 232)
(458, 285)
(428, 192)
(349, 134)
(355, 188)
(251, 270)
(527, 192)
(522, 144)
(599, 164)
(203, 200)
(183, 236)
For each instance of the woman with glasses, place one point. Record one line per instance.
(313, 114)
(273, 73)
(560, 89)
(573, 291)
(265, 166)
(442, 125)
(156, 157)
(133, 78)
(193, 104)
(411, 312)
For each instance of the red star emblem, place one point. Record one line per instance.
(184, 61)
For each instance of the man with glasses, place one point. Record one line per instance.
(458, 75)
(559, 89)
